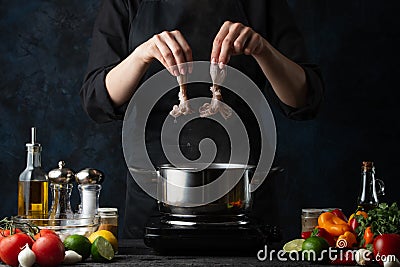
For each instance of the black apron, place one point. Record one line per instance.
(199, 22)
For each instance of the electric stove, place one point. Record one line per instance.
(168, 235)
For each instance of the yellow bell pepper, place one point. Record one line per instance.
(333, 224)
(347, 240)
(360, 212)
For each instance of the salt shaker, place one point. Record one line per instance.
(61, 180)
(89, 188)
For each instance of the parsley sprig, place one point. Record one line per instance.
(383, 219)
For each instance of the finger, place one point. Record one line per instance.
(217, 44)
(190, 66)
(227, 44)
(253, 45)
(155, 53)
(241, 41)
(167, 54)
(187, 51)
(176, 49)
(159, 57)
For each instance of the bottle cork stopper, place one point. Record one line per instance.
(368, 164)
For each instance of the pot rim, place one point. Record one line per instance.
(200, 166)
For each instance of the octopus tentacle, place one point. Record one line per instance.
(183, 108)
(216, 105)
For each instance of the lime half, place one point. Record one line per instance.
(294, 245)
(102, 250)
(107, 235)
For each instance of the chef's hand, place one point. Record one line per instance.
(235, 39)
(171, 49)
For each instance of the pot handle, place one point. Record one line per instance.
(256, 181)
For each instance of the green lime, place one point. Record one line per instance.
(78, 243)
(294, 245)
(107, 235)
(312, 248)
(102, 250)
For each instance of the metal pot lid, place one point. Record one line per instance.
(61, 175)
(89, 176)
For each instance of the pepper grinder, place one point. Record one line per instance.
(89, 181)
(61, 186)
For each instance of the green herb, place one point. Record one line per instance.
(383, 219)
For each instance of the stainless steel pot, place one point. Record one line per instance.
(230, 208)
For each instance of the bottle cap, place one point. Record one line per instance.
(312, 212)
(89, 176)
(61, 175)
(105, 212)
(33, 146)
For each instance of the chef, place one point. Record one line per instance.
(134, 39)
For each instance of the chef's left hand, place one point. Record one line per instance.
(235, 39)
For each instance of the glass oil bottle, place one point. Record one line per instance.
(371, 188)
(33, 185)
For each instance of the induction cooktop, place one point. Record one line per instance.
(209, 239)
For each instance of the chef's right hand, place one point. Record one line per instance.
(171, 49)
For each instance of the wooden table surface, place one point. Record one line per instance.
(135, 253)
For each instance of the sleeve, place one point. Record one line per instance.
(273, 19)
(109, 47)
(285, 36)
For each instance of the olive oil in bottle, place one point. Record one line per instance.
(33, 185)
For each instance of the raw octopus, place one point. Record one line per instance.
(216, 105)
(218, 76)
(183, 108)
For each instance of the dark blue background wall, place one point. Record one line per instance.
(43, 56)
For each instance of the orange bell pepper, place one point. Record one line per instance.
(347, 240)
(368, 236)
(333, 224)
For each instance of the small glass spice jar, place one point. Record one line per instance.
(309, 219)
(109, 220)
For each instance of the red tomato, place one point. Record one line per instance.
(11, 246)
(4, 233)
(386, 244)
(49, 250)
(44, 232)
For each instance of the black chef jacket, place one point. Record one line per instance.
(117, 33)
